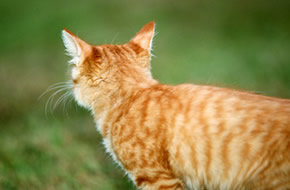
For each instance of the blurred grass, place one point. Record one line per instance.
(241, 44)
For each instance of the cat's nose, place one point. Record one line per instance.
(75, 81)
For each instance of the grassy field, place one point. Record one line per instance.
(242, 44)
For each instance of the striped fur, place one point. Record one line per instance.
(185, 136)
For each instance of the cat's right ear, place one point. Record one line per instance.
(145, 36)
(74, 46)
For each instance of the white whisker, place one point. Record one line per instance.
(66, 101)
(59, 100)
(58, 88)
(55, 86)
(114, 37)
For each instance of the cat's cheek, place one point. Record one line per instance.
(78, 97)
(75, 73)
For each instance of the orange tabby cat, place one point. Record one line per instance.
(184, 136)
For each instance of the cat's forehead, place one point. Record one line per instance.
(114, 49)
(128, 49)
(109, 46)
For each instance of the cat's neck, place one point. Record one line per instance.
(108, 96)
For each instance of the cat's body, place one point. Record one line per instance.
(180, 137)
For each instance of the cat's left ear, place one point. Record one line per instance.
(75, 47)
(145, 36)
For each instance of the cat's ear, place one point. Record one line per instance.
(75, 47)
(145, 36)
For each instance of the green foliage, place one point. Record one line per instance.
(241, 44)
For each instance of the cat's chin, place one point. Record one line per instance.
(82, 104)
(80, 100)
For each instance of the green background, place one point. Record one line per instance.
(242, 44)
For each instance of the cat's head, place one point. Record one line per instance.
(95, 68)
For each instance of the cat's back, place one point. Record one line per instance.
(215, 102)
(223, 138)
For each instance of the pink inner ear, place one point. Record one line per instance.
(145, 35)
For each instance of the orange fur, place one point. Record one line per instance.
(184, 136)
